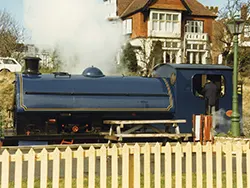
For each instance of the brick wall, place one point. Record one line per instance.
(139, 26)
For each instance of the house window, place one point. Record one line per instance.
(166, 22)
(175, 45)
(194, 26)
(195, 57)
(169, 56)
(127, 26)
(247, 30)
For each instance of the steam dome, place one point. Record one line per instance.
(92, 72)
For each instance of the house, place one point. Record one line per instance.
(183, 26)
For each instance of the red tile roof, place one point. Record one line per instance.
(169, 5)
(122, 5)
(199, 9)
(134, 6)
(128, 7)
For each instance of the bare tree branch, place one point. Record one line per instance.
(11, 34)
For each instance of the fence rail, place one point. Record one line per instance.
(131, 166)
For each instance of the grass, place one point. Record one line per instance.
(61, 181)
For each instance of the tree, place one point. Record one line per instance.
(128, 59)
(11, 35)
(223, 39)
(157, 53)
(150, 53)
(53, 63)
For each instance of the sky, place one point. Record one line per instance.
(15, 7)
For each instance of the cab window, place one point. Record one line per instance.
(199, 81)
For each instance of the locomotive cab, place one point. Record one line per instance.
(190, 79)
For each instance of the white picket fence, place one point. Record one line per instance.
(172, 165)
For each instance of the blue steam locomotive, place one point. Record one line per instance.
(60, 105)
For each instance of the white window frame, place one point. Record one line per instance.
(247, 30)
(194, 26)
(162, 26)
(127, 26)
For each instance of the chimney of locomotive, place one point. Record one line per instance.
(32, 65)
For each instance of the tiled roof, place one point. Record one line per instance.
(134, 6)
(198, 9)
(169, 4)
(122, 5)
(128, 7)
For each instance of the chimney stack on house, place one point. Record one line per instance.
(244, 10)
(213, 9)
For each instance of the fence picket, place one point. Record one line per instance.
(157, 161)
(131, 165)
(199, 165)
(209, 164)
(178, 165)
(147, 151)
(56, 168)
(239, 165)
(218, 165)
(103, 166)
(114, 169)
(18, 168)
(5, 169)
(137, 166)
(248, 164)
(31, 168)
(92, 163)
(68, 168)
(125, 166)
(168, 166)
(44, 168)
(79, 154)
(189, 183)
(229, 166)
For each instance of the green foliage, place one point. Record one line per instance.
(54, 63)
(1, 127)
(243, 61)
(128, 59)
(157, 53)
(155, 57)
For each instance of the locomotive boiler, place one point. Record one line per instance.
(63, 104)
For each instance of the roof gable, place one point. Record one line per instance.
(122, 5)
(134, 6)
(129, 7)
(198, 9)
(169, 5)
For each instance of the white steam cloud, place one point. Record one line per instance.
(223, 123)
(78, 28)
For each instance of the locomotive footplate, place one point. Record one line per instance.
(11, 136)
(118, 135)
